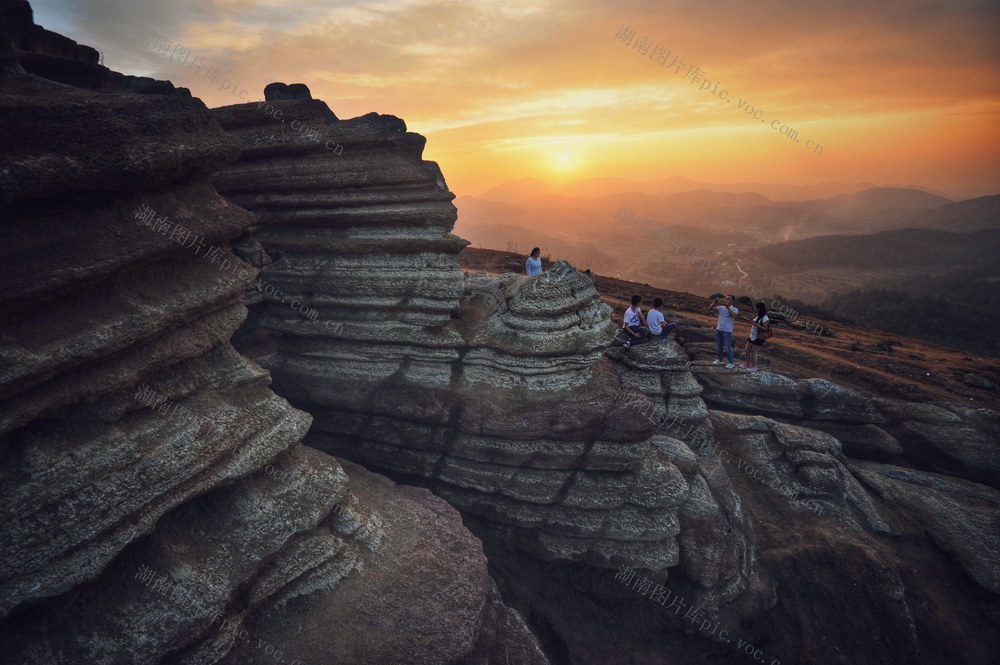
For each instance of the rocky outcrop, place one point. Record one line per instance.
(356, 224)
(493, 391)
(18, 22)
(959, 440)
(716, 554)
(157, 504)
(821, 404)
(59, 58)
(572, 458)
(774, 394)
(950, 438)
(804, 467)
(960, 517)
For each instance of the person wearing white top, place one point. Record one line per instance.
(533, 266)
(760, 328)
(724, 329)
(655, 322)
(633, 323)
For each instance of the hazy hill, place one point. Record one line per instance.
(587, 209)
(886, 198)
(923, 248)
(515, 191)
(568, 222)
(704, 198)
(859, 238)
(970, 215)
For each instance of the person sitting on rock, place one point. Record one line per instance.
(724, 329)
(655, 322)
(533, 266)
(633, 323)
(755, 340)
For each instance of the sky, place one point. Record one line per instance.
(891, 93)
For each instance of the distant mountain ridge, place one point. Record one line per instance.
(836, 244)
(531, 207)
(903, 247)
(893, 198)
(514, 191)
(969, 215)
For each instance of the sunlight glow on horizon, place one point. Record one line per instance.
(895, 94)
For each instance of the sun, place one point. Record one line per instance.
(564, 161)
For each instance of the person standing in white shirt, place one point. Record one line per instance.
(533, 266)
(724, 329)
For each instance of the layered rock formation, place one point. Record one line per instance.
(157, 504)
(59, 58)
(959, 440)
(569, 455)
(493, 391)
(714, 539)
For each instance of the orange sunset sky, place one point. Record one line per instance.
(898, 93)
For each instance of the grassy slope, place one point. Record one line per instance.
(912, 370)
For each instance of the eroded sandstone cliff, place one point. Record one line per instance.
(493, 391)
(157, 504)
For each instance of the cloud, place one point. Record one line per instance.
(506, 76)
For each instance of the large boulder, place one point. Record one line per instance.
(955, 439)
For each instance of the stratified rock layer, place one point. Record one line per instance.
(156, 503)
(952, 438)
(59, 58)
